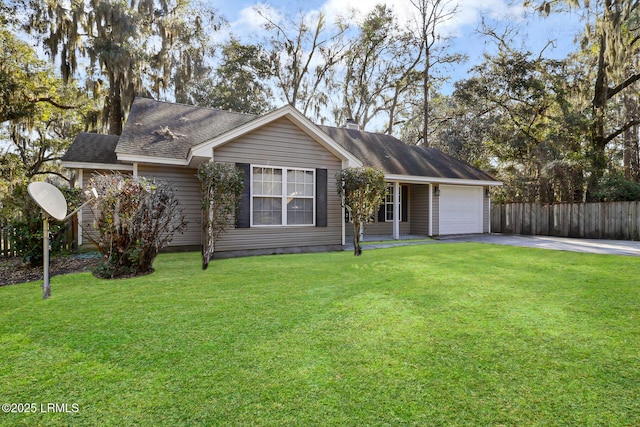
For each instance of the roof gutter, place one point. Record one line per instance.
(97, 166)
(152, 160)
(414, 179)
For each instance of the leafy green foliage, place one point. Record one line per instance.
(39, 117)
(517, 116)
(221, 185)
(141, 47)
(362, 191)
(28, 86)
(238, 83)
(616, 188)
(25, 228)
(135, 219)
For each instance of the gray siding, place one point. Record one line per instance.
(283, 144)
(187, 190)
(419, 209)
(380, 228)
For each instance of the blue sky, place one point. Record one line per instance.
(536, 31)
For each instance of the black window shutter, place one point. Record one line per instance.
(243, 218)
(382, 217)
(405, 203)
(321, 197)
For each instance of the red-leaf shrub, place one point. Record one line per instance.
(134, 219)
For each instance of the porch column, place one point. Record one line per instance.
(430, 210)
(397, 212)
(80, 185)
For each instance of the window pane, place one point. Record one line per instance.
(389, 195)
(389, 212)
(300, 211)
(388, 200)
(267, 211)
(267, 182)
(257, 174)
(300, 183)
(308, 177)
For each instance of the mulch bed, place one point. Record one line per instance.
(13, 270)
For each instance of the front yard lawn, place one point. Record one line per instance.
(440, 334)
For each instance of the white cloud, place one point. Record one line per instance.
(247, 22)
(469, 11)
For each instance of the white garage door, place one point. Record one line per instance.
(460, 209)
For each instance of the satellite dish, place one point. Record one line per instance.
(49, 198)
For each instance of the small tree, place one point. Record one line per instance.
(135, 219)
(362, 191)
(222, 185)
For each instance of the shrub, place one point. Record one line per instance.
(135, 219)
(362, 191)
(221, 185)
(616, 188)
(25, 228)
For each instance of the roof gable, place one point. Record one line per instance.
(293, 115)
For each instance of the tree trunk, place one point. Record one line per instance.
(425, 129)
(598, 141)
(630, 140)
(115, 106)
(357, 250)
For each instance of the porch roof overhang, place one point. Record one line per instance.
(413, 179)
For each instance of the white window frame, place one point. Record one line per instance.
(389, 195)
(284, 196)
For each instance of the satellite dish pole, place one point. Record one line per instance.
(53, 205)
(46, 286)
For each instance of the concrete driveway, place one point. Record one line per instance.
(594, 246)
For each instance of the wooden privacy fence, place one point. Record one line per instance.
(610, 220)
(5, 240)
(68, 238)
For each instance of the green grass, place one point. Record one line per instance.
(441, 334)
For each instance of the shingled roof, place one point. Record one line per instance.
(397, 158)
(93, 148)
(168, 130)
(164, 130)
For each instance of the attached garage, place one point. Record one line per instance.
(461, 209)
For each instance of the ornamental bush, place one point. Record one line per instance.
(221, 186)
(362, 191)
(134, 220)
